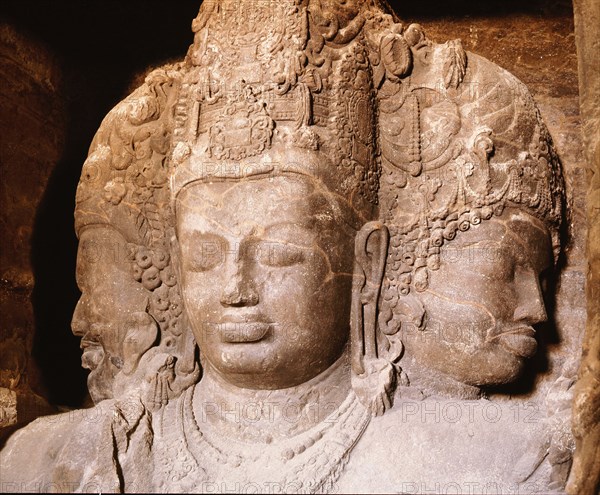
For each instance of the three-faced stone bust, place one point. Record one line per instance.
(315, 217)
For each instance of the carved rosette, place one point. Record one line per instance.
(245, 129)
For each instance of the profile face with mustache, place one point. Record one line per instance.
(266, 271)
(111, 314)
(484, 301)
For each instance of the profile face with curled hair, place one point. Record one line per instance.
(473, 324)
(111, 315)
(472, 193)
(130, 315)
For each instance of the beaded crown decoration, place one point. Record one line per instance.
(263, 75)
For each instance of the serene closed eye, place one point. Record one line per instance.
(278, 254)
(207, 254)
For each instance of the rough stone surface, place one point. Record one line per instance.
(244, 178)
(32, 128)
(586, 410)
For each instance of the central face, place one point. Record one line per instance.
(266, 272)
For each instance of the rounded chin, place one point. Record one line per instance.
(508, 375)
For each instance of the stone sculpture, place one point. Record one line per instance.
(288, 212)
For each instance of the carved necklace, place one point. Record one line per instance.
(202, 458)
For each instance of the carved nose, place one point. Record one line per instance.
(239, 291)
(531, 308)
(79, 324)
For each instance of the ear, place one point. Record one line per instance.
(373, 376)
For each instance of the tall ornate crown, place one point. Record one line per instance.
(268, 73)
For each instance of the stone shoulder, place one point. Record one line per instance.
(44, 456)
(27, 459)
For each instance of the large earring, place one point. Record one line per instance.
(187, 348)
(373, 372)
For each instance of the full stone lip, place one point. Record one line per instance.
(524, 330)
(519, 341)
(89, 345)
(243, 332)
